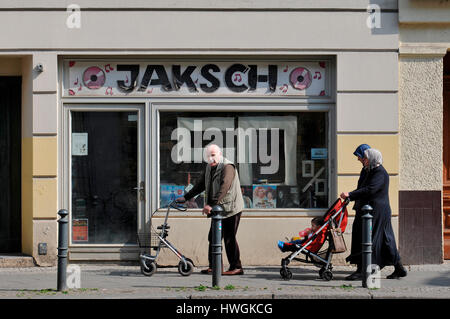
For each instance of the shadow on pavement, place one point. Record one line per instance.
(441, 281)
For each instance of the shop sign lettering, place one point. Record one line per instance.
(94, 78)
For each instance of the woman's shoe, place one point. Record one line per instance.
(399, 272)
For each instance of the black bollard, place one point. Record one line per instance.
(216, 244)
(366, 244)
(63, 243)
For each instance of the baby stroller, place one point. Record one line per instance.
(335, 220)
(157, 240)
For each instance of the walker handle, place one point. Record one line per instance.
(178, 205)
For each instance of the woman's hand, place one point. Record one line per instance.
(344, 195)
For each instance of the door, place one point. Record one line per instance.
(10, 164)
(107, 175)
(446, 157)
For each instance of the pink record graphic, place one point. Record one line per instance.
(94, 78)
(300, 78)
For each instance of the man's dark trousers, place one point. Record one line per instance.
(229, 229)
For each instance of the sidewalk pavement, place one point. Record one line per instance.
(106, 281)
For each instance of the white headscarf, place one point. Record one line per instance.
(374, 156)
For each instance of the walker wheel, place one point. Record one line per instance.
(151, 268)
(286, 274)
(185, 270)
(327, 275)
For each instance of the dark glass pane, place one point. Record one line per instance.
(104, 173)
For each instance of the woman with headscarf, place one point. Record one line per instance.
(374, 191)
(355, 251)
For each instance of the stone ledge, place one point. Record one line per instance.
(422, 50)
(16, 261)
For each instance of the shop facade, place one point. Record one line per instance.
(114, 119)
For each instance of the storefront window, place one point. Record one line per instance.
(104, 175)
(282, 158)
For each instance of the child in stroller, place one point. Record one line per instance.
(331, 230)
(303, 236)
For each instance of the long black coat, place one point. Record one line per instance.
(355, 252)
(374, 191)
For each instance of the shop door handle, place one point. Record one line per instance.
(141, 190)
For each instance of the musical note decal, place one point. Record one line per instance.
(284, 88)
(108, 68)
(317, 75)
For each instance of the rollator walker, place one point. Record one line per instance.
(157, 240)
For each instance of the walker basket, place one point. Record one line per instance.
(149, 240)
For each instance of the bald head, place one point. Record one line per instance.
(213, 154)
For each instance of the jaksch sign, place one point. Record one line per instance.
(109, 78)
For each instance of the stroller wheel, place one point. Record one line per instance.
(327, 275)
(151, 268)
(286, 274)
(186, 270)
(321, 272)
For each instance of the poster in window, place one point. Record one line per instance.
(79, 144)
(80, 230)
(247, 192)
(264, 196)
(169, 193)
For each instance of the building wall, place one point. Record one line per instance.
(424, 40)
(366, 89)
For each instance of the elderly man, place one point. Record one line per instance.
(220, 181)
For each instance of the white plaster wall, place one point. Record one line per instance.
(197, 30)
(367, 71)
(424, 11)
(204, 4)
(420, 102)
(368, 112)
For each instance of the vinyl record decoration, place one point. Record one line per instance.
(300, 78)
(94, 78)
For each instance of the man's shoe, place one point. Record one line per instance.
(355, 276)
(206, 271)
(237, 271)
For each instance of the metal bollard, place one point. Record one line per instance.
(366, 243)
(216, 244)
(63, 243)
